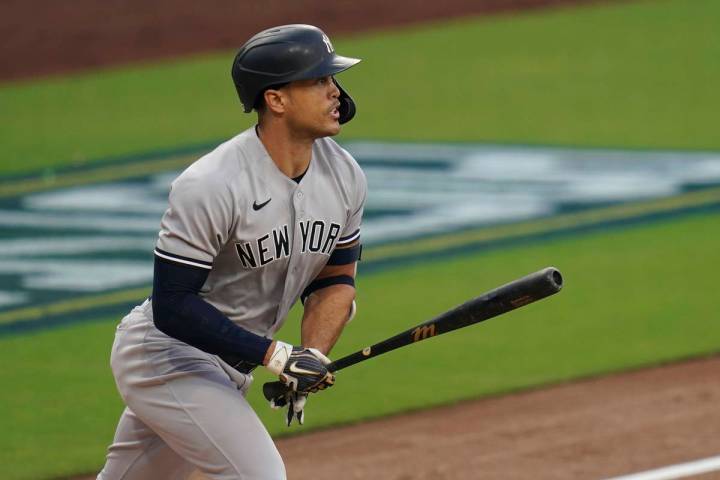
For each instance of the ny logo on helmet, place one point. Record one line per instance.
(328, 44)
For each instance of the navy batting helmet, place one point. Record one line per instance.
(284, 54)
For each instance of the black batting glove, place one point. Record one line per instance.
(306, 371)
(303, 370)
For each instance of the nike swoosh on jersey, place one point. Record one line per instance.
(300, 371)
(257, 207)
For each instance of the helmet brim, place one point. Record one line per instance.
(331, 66)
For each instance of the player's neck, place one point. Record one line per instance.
(289, 152)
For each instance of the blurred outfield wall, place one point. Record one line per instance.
(48, 37)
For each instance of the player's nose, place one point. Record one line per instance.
(334, 90)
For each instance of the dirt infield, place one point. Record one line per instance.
(590, 429)
(43, 37)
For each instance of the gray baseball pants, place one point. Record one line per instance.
(186, 411)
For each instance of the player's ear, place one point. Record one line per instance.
(275, 100)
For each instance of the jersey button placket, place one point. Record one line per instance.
(299, 205)
(295, 252)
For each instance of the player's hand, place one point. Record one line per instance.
(301, 369)
(306, 371)
(295, 403)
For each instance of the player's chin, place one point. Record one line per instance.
(326, 126)
(331, 128)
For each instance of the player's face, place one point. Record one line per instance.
(312, 108)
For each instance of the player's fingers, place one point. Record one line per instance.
(325, 360)
(299, 403)
(328, 381)
(289, 416)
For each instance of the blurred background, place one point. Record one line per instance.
(498, 137)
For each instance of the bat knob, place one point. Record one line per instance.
(555, 277)
(274, 390)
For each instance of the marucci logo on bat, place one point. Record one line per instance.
(421, 333)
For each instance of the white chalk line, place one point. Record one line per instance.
(680, 470)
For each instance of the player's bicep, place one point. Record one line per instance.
(348, 248)
(340, 268)
(346, 253)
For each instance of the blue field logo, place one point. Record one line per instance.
(83, 249)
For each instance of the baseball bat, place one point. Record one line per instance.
(515, 294)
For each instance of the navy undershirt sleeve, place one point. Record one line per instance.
(181, 313)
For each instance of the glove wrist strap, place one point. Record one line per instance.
(279, 357)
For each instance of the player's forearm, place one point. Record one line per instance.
(179, 312)
(326, 313)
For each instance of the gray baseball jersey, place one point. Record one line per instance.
(263, 236)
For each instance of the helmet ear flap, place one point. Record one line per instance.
(347, 105)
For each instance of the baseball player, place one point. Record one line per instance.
(269, 217)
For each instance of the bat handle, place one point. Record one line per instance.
(274, 390)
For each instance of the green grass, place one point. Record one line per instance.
(624, 305)
(632, 75)
(57, 398)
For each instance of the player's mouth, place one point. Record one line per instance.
(335, 112)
